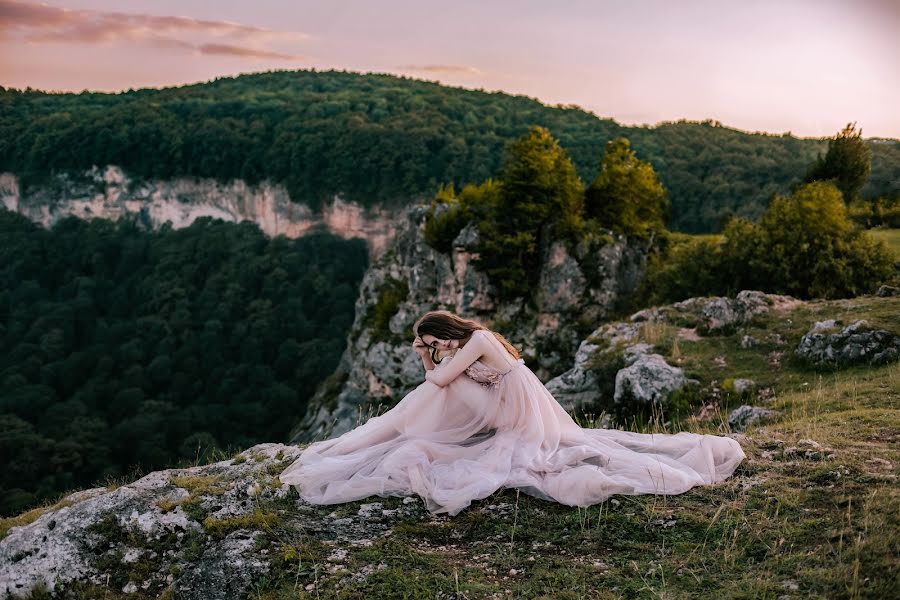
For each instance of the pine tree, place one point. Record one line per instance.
(627, 196)
(848, 162)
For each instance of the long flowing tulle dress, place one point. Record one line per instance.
(489, 429)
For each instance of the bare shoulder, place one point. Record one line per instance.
(481, 335)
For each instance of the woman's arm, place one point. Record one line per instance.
(474, 349)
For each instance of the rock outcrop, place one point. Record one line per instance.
(824, 346)
(717, 314)
(109, 193)
(648, 379)
(206, 533)
(411, 278)
(745, 415)
(614, 362)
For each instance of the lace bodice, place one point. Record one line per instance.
(485, 374)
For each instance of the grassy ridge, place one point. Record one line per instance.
(811, 513)
(806, 523)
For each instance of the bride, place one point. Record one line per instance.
(482, 420)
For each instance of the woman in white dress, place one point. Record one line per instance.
(482, 420)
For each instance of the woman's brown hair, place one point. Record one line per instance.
(446, 325)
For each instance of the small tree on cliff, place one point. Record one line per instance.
(540, 196)
(847, 162)
(627, 196)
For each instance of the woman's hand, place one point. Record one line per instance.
(419, 347)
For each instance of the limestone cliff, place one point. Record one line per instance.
(110, 193)
(378, 366)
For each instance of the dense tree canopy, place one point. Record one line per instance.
(539, 199)
(125, 349)
(381, 139)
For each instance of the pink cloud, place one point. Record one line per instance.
(448, 69)
(241, 51)
(41, 23)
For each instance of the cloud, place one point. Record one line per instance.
(446, 69)
(240, 51)
(42, 23)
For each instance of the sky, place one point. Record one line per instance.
(807, 67)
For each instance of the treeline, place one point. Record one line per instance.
(380, 139)
(809, 244)
(805, 244)
(123, 349)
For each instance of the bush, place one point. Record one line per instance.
(805, 245)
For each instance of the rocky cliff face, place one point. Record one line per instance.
(378, 366)
(109, 193)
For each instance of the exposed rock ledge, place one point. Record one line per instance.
(109, 193)
(195, 533)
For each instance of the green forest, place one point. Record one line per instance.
(810, 243)
(124, 350)
(383, 139)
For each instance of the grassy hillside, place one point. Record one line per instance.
(891, 237)
(382, 139)
(813, 512)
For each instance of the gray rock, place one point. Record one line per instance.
(561, 284)
(634, 352)
(743, 386)
(857, 343)
(718, 314)
(742, 417)
(63, 544)
(577, 387)
(888, 290)
(140, 537)
(649, 379)
(467, 238)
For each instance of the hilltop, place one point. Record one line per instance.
(812, 512)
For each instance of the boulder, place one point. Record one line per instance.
(649, 379)
(856, 343)
(743, 416)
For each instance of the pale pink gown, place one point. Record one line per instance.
(489, 429)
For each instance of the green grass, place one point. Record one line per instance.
(782, 526)
(891, 237)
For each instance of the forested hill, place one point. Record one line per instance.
(382, 139)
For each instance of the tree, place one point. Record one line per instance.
(539, 184)
(847, 162)
(540, 197)
(627, 196)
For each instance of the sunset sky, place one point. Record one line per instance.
(804, 66)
